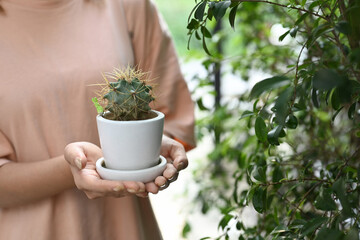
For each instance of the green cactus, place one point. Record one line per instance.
(128, 97)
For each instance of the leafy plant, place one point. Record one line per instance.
(294, 155)
(127, 98)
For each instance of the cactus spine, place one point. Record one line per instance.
(127, 98)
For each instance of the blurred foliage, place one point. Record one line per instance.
(174, 13)
(289, 147)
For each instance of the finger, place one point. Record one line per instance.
(160, 181)
(174, 178)
(134, 187)
(176, 152)
(179, 156)
(170, 171)
(166, 185)
(143, 195)
(102, 187)
(75, 156)
(152, 187)
(92, 151)
(94, 195)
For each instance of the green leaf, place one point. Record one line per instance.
(206, 32)
(199, 13)
(335, 99)
(210, 11)
(273, 135)
(292, 122)
(197, 35)
(317, 32)
(220, 9)
(345, 90)
(298, 223)
(282, 133)
(259, 174)
(260, 129)
(239, 225)
(293, 32)
(343, 27)
(225, 220)
(276, 218)
(314, 98)
(300, 19)
(97, 105)
(357, 134)
(277, 174)
(326, 79)
(281, 38)
(282, 105)
(336, 113)
(193, 24)
(205, 208)
(354, 56)
(278, 230)
(246, 114)
(186, 230)
(314, 4)
(353, 234)
(232, 16)
(204, 46)
(324, 200)
(259, 200)
(339, 189)
(255, 109)
(268, 85)
(329, 234)
(355, 86)
(312, 225)
(201, 105)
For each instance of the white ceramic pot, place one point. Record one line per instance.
(131, 145)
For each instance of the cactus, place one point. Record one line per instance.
(128, 97)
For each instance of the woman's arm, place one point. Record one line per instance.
(21, 183)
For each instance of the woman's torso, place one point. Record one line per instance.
(51, 54)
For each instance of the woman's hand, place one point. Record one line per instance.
(175, 155)
(82, 158)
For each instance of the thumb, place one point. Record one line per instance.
(75, 156)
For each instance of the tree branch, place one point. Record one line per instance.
(300, 202)
(284, 6)
(295, 180)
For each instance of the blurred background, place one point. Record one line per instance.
(179, 216)
(277, 92)
(174, 208)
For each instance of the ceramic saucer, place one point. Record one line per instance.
(142, 175)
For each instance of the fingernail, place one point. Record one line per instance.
(131, 190)
(181, 166)
(118, 188)
(78, 163)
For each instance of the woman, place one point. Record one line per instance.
(51, 51)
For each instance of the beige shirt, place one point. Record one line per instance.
(50, 53)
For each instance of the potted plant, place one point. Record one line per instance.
(130, 131)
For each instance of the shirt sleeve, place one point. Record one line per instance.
(155, 54)
(6, 150)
